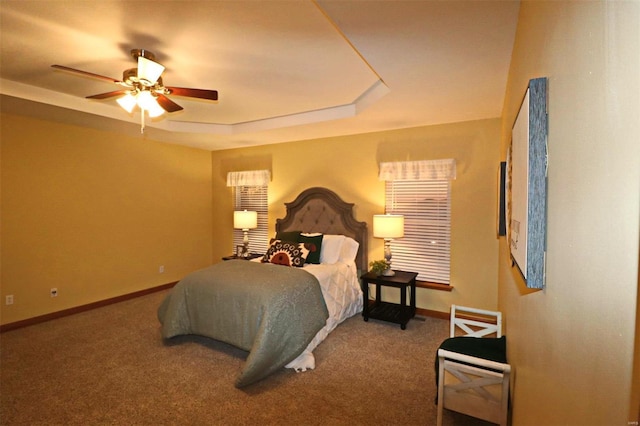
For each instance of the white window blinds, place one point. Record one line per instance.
(251, 192)
(421, 192)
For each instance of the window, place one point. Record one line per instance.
(421, 192)
(251, 192)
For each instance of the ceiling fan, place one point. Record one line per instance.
(143, 87)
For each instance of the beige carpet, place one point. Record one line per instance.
(110, 366)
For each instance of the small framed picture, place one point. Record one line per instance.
(239, 250)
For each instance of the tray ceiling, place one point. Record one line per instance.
(284, 70)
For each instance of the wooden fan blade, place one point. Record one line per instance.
(86, 73)
(167, 104)
(108, 94)
(212, 95)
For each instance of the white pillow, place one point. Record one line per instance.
(349, 250)
(331, 248)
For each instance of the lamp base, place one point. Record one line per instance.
(388, 273)
(245, 243)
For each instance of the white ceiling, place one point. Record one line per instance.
(284, 70)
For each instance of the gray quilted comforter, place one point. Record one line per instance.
(272, 311)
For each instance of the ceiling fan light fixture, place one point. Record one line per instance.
(155, 110)
(145, 100)
(128, 102)
(148, 71)
(144, 88)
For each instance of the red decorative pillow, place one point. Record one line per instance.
(286, 253)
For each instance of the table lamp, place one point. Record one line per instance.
(388, 226)
(245, 220)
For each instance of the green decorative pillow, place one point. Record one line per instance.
(288, 236)
(313, 243)
(286, 253)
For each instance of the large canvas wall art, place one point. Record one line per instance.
(528, 185)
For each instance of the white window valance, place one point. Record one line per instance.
(418, 170)
(249, 178)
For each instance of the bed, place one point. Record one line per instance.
(279, 314)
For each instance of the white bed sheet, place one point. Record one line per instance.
(343, 297)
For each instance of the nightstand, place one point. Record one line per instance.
(250, 257)
(386, 311)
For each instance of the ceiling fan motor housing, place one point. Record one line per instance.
(130, 80)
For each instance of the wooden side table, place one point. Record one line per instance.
(386, 311)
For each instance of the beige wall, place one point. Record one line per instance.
(572, 343)
(349, 166)
(95, 214)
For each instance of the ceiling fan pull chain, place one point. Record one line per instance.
(142, 121)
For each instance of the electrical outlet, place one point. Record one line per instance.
(54, 292)
(161, 269)
(9, 299)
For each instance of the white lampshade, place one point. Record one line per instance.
(388, 226)
(146, 100)
(155, 109)
(245, 219)
(128, 102)
(148, 71)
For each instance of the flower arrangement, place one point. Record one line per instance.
(379, 266)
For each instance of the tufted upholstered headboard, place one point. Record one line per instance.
(322, 210)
